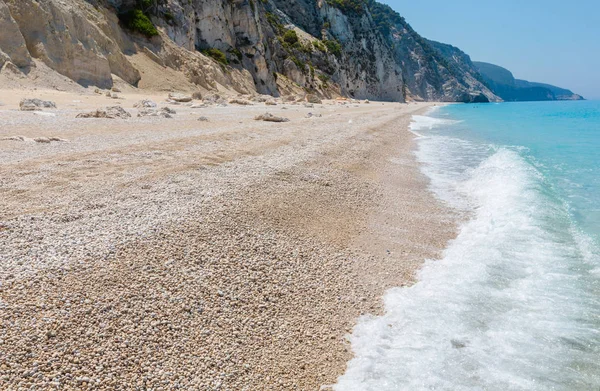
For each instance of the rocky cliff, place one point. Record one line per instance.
(504, 84)
(355, 48)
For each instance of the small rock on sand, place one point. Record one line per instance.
(144, 103)
(36, 104)
(262, 98)
(203, 119)
(268, 117)
(213, 98)
(177, 97)
(242, 102)
(312, 98)
(44, 140)
(17, 138)
(111, 112)
(165, 112)
(271, 103)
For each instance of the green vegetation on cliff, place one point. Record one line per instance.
(349, 6)
(216, 55)
(136, 20)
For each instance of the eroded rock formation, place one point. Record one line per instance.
(273, 47)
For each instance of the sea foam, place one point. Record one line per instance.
(508, 307)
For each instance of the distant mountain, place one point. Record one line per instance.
(502, 82)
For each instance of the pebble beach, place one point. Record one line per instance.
(205, 251)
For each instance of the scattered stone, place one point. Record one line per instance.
(178, 97)
(197, 95)
(199, 106)
(115, 89)
(144, 103)
(311, 115)
(97, 91)
(271, 103)
(268, 117)
(212, 98)
(114, 96)
(36, 104)
(43, 140)
(367, 101)
(312, 98)
(309, 105)
(17, 138)
(164, 112)
(242, 102)
(262, 98)
(111, 112)
(44, 114)
(203, 119)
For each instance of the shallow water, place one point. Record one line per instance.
(514, 303)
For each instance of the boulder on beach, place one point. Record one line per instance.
(36, 104)
(111, 112)
(268, 117)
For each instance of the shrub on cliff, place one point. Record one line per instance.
(333, 47)
(216, 55)
(290, 37)
(136, 20)
(349, 6)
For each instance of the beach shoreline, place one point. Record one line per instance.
(219, 254)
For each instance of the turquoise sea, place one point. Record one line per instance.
(514, 303)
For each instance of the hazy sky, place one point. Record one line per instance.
(551, 41)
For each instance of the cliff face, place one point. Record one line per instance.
(504, 84)
(432, 71)
(278, 47)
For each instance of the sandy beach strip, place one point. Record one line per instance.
(228, 254)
